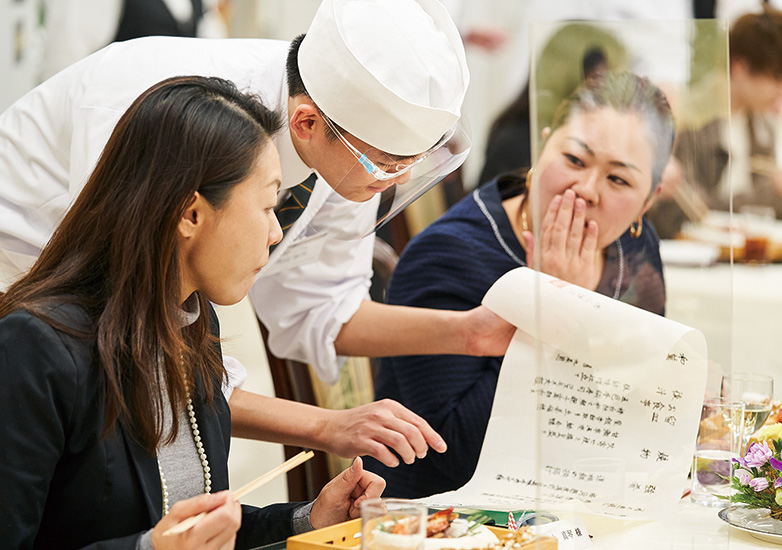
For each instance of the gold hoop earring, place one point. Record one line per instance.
(523, 206)
(635, 231)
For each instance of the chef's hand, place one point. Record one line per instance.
(339, 500)
(215, 531)
(376, 428)
(568, 244)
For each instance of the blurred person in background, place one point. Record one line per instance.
(738, 155)
(77, 28)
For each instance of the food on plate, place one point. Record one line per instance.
(445, 530)
(440, 522)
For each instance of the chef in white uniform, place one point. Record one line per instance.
(385, 81)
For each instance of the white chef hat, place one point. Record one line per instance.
(391, 72)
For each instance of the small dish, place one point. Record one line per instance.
(755, 521)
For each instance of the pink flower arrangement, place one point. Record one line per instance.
(757, 476)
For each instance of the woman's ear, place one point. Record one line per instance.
(304, 119)
(650, 201)
(545, 133)
(193, 217)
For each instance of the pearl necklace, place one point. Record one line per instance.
(201, 455)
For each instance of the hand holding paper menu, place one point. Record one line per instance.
(597, 402)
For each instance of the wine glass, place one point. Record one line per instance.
(756, 392)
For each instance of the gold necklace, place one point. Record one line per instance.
(528, 185)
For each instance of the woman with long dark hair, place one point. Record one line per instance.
(109, 348)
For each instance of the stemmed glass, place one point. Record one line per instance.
(756, 392)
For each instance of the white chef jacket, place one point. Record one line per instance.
(51, 138)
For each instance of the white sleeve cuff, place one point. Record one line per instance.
(237, 375)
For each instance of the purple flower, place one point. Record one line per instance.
(758, 483)
(778, 483)
(757, 455)
(744, 476)
(775, 463)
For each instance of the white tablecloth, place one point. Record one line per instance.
(689, 527)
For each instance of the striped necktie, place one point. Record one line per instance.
(294, 205)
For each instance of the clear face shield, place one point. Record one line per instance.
(398, 180)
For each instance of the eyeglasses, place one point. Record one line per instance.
(373, 169)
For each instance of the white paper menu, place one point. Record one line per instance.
(597, 405)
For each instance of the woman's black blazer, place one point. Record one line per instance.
(63, 486)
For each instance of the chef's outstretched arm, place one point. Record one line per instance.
(382, 330)
(371, 429)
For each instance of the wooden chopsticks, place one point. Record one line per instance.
(289, 464)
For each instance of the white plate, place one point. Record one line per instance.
(755, 521)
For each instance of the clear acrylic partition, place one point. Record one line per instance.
(617, 392)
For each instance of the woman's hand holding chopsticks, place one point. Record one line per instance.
(216, 530)
(338, 501)
(260, 481)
